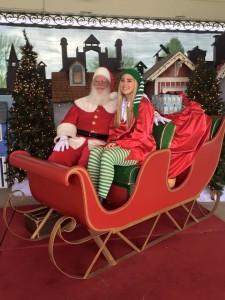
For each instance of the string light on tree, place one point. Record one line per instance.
(31, 122)
(203, 87)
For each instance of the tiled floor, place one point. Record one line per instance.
(220, 212)
(4, 193)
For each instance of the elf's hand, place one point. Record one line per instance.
(158, 118)
(62, 144)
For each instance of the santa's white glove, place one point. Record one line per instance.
(62, 144)
(158, 118)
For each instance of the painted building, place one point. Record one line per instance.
(170, 73)
(73, 81)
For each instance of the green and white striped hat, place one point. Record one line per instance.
(138, 77)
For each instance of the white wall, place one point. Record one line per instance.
(172, 9)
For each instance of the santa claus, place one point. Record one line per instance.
(86, 124)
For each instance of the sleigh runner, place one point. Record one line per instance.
(143, 198)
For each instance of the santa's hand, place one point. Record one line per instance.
(62, 144)
(158, 118)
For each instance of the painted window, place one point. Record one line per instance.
(77, 75)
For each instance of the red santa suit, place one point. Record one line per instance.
(86, 125)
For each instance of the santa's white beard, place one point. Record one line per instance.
(99, 98)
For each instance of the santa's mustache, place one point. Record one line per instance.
(99, 97)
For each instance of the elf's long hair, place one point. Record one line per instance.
(130, 106)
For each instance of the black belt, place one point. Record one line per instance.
(93, 134)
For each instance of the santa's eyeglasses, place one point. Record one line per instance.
(101, 82)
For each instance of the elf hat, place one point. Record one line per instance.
(102, 71)
(138, 77)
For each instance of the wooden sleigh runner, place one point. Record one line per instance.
(71, 192)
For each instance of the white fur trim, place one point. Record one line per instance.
(85, 104)
(70, 130)
(102, 72)
(88, 106)
(67, 129)
(94, 143)
(113, 96)
(76, 142)
(110, 107)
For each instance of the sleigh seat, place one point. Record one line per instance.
(216, 122)
(125, 177)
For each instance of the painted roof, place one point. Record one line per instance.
(164, 63)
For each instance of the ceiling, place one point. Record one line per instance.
(199, 10)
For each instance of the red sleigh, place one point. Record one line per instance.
(71, 192)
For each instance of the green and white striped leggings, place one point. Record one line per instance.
(101, 166)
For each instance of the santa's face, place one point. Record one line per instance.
(100, 83)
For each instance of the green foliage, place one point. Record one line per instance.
(2, 79)
(173, 45)
(5, 46)
(31, 123)
(203, 87)
(127, 61)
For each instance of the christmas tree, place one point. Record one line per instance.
(203, 87)
(31, 122)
